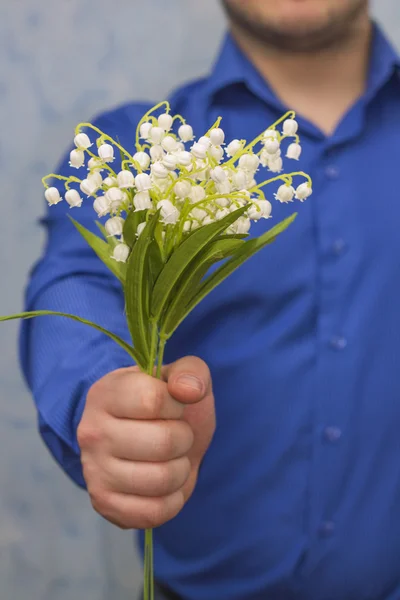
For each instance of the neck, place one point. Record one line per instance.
(320, 85)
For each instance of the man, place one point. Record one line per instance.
(298, 494)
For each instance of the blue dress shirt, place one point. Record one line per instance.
(299, 495)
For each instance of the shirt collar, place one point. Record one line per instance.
(232, 66)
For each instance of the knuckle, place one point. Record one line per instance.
(102, 502)
(155, 513)
(165, 444)
(163, 478)
(152, 400)
(88, 435)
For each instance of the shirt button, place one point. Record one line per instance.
(332, 172)
(332, 433)
(338, 343)
(326, 528)
(339, 246)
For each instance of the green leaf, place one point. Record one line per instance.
(131, 224)
(102, 249)
(182, 258)
(245, 251)
(44, 313)
(136, 289)
(187, 287)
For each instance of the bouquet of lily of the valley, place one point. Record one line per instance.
(175, 208)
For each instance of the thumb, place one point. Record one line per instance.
(188, 379)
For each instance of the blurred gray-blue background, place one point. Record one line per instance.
(61, 62)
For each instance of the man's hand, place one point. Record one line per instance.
(142, 441)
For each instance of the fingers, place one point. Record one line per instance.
(152, 441)
(189, 379)
(146, 479)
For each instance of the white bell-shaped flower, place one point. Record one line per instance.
(156, 135)
(218, 175)
(224, 187)
(271, 134)
(114, 226)
(140, 228)
(187, 226)
(165, 121)
(159, 171)
(82, 141)
(208, 220)
(156, 152)
(271, 146)
(285, 193)
(52, 196)
(169, 144)
(110, 181)
(76, 158)
(142, 201)
(73, 198)
(217, 152)
(169, 212)
(182, 189)
(125, 179)
(184, 158)
(261, 209)
(121, 252)
(222, 213)
(114, 196)
(205, 141)
(249, 162)
(169, 161)
(303, 191)
(217, 136)
(101, 206)
(95, 164)
(223, 202)
(241, 226)
(143, 182)
(180, 147)
(197, 194)
(143, 159)
(199, 150)
(233, 148)
(185, 132)
(96, 179)
(294, 151)
(198, 213)
(144, 130)
(290, 127)
(240, 180)
(276, 165)
(106, 153)
(88, 186)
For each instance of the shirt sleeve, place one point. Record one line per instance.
(61, 358)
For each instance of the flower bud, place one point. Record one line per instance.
(290, 127)
(95, 163)
(184, 158)
(199, 150)
(101, 206)
(185, 132)
(225, 187)
(294, 151)
(156, 153)
(82, 141)
(182, 189)
(224, 202)
(170, 161)
(208, 220)
(165, 121)
(217, 137)
(142, 182)
(114, 226)
(205, 141)
(125, 179)
(121, 252)
(271, 134)
(303, 191)
(217, 153)
(143, 159)
(198, 213)
(106, 152)
(144, 130)
(52, 196)
(180, 147)
(110, 181)
(156, 135)
(142, 201)
(240, 180)
(285, 193)
(187, 226)
(218, 175)
(140, 228)
(169, 144)
(271, 146)
(249, 162)
(73, 198)
(88, 186)
(169, 212)
(261, 209)
(233, 148)
(158, 170)
(276, 165)
(197, 194)
(76, 158)
(222, 213)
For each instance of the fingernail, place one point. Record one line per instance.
(191, 381)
